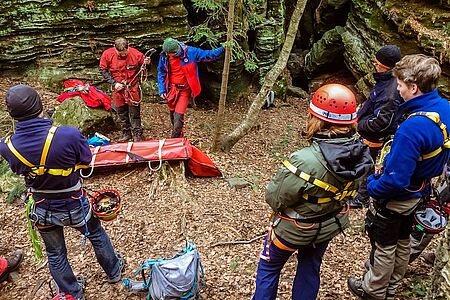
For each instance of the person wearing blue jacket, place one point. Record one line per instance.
(419, 152)
(49, 159)
(178, 77)
(378, 116)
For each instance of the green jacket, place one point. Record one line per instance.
(335, 161)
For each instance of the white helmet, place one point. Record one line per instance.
(430, 219)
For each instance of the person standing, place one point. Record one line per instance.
(309, 194)
(10, 264)
(178, 78)
(49, 159)
(419, 152)
(119, 66)
(378, 116)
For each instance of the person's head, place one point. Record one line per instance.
(121, 45)
(23, 102)
(416, 74)
(386, 58)
(333, 111)
(171, 46)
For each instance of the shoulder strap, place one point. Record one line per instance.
(16, 153)
(435, 117)
(339, 194)
(44, 154)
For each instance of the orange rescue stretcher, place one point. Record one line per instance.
(153, 152)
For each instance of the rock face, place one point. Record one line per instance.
(415, 26)
(74, 112)
(56, 38)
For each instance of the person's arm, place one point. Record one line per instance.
(383, 120)
(400, 165)
(162, 74)
(207, 55)
(84, 151)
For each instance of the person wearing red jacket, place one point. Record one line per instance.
(178, 77)
(119, 66)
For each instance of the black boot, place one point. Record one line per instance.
(13, 263)
(137, 135)
(125, 137)
(178, 125)
(355, 286)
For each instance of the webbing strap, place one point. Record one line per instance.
(339, 194)
(16, 153)
(48, 142)
(309, 178)
(435, 117)
(41, 170)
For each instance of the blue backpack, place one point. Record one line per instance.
(179, 277)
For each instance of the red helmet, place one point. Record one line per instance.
(334, 103)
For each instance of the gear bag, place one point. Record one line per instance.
(179, 277)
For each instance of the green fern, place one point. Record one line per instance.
(10, 183)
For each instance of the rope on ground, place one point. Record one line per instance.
(239, 242)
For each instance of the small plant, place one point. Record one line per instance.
(234, 263)
(416, 287)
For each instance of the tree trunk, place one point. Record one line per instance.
(225, 74)
(230, 140)
(440, 279)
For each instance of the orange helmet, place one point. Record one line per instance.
(334, 103)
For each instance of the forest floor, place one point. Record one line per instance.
(158, 215)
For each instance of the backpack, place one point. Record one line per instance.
(179, 277)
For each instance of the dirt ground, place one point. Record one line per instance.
(158, 215)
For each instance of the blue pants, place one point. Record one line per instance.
(307, 279)
(51, 224)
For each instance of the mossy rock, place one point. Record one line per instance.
(74, 112)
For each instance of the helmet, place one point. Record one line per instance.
(334, 103)
(106, 204)
(430, 219)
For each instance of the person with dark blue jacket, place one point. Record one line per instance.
(49, 159)
(378, 116)
(419, 152)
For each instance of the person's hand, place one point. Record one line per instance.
(118, 86)
(163, 95)
(147, 60)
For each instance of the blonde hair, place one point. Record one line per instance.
(419, 69)
(121, 44)
(316, 125)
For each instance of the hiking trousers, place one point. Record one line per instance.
(307, 278)
(53, 236)
(130, 118)
(389, 257)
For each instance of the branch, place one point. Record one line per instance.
(239, 242)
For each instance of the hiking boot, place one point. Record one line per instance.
(125, 137)
(118, 277)
(354, 203)
(367, 265)
(429, 257)
(82, 282)
(389, 296)
(138, 137)
(13, 263)
(355, 286)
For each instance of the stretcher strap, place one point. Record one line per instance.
(161, 144)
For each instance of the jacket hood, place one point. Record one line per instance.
(347, 157)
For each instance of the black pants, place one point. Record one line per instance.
(130, 118)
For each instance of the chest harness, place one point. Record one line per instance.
(433, 116)
(292, 216)
(39, 170)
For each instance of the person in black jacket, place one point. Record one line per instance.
(378, 118)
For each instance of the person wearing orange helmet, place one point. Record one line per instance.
(309, 194)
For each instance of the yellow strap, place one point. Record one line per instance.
(16, 153)
(44, 154)
(35, 171)
(309, 178)
(433, 116)
(339, 194)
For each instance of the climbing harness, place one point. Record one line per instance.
(433, 116)
(338, 194)
(41, 169)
